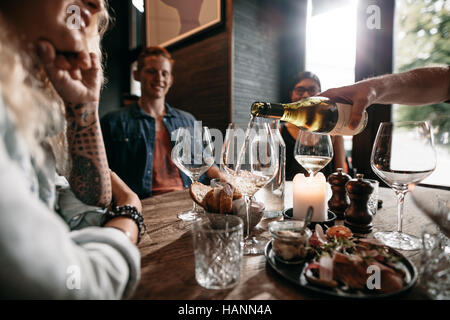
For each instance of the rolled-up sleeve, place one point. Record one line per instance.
(40, 258)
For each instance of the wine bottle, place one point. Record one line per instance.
(315, 114)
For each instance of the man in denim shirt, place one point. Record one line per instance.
(138, 138)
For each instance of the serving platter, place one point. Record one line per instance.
(295, 273)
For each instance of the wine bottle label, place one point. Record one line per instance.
(341, 128)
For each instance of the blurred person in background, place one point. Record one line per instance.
(138, 138)
(304, 85)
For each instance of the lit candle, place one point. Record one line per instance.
(310, 191)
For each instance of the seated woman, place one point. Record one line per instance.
(49, 79)
(304, 85)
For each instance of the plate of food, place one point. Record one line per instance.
(340, 265)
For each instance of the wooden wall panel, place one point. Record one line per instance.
(201, 76)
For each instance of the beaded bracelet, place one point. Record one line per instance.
(127, 211)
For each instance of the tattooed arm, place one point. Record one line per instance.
(89, 176)
(78, 80)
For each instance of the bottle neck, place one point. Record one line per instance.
(267, 110)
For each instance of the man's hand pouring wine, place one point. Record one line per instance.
(415, 87)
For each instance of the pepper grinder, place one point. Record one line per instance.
(357, 216)
(339, 201)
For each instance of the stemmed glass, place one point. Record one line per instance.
(313, 151)
(193, 154)
(249, 162)
(402, 154)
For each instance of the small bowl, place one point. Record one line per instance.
(290, 244)
(256, 213)
(288, 213)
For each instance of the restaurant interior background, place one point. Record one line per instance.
(259, 44)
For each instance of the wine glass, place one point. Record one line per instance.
(249, 162)
(313, 151)
(193, 154)
(435, 203)
(402, 154)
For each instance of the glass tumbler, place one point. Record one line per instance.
(218, 250)
(435, 263)
(373, 199)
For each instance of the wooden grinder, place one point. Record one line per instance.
(339, 201)
(357, 216)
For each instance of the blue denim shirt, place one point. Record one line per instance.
(129, 136)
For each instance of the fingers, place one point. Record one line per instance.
(350, 95)
(95, 61)
(357, 112)
(46, 52)
(61, 62)
(83, 61)
(76, 74)
(55, 62)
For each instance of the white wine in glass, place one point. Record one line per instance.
(313, 151)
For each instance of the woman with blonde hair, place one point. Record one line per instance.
(50, 79)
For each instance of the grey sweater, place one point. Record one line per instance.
(40, 256)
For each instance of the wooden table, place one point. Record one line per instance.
(168, 258)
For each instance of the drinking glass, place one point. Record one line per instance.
(272, 195)
(435, 262)
(218, 250)
(402, 154)
(372, 204)
(193, 154)
(313, 151)
(249, 162)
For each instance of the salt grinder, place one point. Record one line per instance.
(357, 216)
(339, 200)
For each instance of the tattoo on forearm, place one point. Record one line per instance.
(89, 178)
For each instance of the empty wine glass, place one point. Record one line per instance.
(402, 154)
(313, 151)
(249, 162)
(193, 154)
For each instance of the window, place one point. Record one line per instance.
(331, 45)
(421, 39)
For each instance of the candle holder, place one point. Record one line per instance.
(329, 222)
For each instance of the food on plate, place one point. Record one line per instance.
(290, 240)
(339, 232)
(346, 263)
(291, 245)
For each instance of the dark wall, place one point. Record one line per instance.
(201, 80)
(219, 73)
(255, 57)
(115, 46)
(374, 57)
(269, 45)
